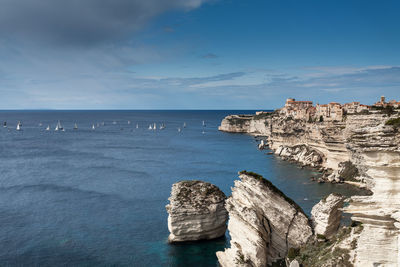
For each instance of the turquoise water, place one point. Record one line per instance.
(97, 198)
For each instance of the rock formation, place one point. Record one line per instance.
(196, 212)
(376, 152)
(327, 214)
(264, 224)
(363, 148)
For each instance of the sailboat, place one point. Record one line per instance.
(19, 125)
(184, 125)
(93, 127)
(155, 126)
(59, 127)
(129, 122)
(150, 127)
(75, 126)
(137, 126)
(204, 124)
(162, 126)
(48, 128)
(5, 124)
(179, 129)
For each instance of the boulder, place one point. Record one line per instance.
(326, 215)
(196, 212)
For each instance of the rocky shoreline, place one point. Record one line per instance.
(363, 150)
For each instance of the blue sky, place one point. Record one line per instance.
(196, 54)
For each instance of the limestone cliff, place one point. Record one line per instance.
(196, 212)
(363, 147)
(375, 149)
(263, 223)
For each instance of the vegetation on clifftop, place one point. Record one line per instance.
(393, 122)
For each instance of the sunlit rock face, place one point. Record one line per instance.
(327, 214)
(375, 150)
(196, 212)
(263, 224)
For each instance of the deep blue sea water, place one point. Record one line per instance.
(97, 197)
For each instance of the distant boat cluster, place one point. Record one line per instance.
(59, 126)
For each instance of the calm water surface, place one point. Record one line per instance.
(97, 197)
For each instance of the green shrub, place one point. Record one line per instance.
(395, 122)
(293, 253)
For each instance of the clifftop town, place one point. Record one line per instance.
(333, 111)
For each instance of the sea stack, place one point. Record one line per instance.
(264, 224)
(326, 215)
(196, 212)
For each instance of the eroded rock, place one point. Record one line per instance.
(264, 224)
(326, 215)
(196, 212)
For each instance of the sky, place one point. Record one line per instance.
(196, 54)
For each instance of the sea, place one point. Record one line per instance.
(96, 197)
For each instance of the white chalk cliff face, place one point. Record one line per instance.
(376, 152)
(263, 223)
(196, 212)
(371, 147)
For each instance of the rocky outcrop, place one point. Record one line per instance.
(196, 212)
(302, 154)
(264, 224)
(327, 214)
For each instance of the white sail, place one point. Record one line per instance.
(179, 130)
(137, 126)
(155, 126)
(75, 126)
(93, 127)
(58, 127)
(19, 126)
(184, 125)
(150, 127)
(48, 128)
(204, 124)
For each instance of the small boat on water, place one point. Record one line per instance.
(204, 124)
(203, 132)
(179, 129)
(59, 127)
(150, 127)
(40, 124)
(162, 126)
(75, 126)
(184, 125)
(129, 122)
(5, 124)
(137, 126)
(19, 125)
(155, 126)
(93, 128)
(48, 128)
